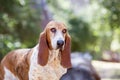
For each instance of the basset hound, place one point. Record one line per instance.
(48, 60)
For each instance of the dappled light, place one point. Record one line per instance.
(94, 27)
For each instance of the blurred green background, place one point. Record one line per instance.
(94, 25)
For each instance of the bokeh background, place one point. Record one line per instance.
(94, 26)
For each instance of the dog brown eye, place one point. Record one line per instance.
(64, 30)
(53, 30)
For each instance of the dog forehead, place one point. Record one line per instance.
(56, 25)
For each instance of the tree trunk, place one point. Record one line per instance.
(45, 14)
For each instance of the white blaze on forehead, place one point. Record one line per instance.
(58, 36)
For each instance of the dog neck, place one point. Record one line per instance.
(54, 55)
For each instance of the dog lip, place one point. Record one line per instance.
(59, 47)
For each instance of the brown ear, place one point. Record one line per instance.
(65, 54)
(43, 52)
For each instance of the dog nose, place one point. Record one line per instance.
(60, 43)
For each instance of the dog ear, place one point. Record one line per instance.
(43, 51)
(65, 54)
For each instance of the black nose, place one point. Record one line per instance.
(60, 43)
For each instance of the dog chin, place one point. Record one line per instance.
(60, 48)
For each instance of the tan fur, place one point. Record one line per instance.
(40, 62)
(65, 54)
(17, 62)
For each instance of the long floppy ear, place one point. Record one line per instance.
(43, 51)
(65, 54)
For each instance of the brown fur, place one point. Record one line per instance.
(44, 45)
(17, 62)
(43, 50)
(65, 54)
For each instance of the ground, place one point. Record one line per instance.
(107, 70)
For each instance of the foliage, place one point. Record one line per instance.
(107, 18)
(95, 27)
(114, 9)
(18, 25)
(82, 36)
(79, 29)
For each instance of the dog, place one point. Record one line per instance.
(48, 60)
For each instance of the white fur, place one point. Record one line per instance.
(58, 36)
(47, 72)
(9, 75)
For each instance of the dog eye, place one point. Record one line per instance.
(53, 30)
(64, 30)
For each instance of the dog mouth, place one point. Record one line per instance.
(60, 48)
